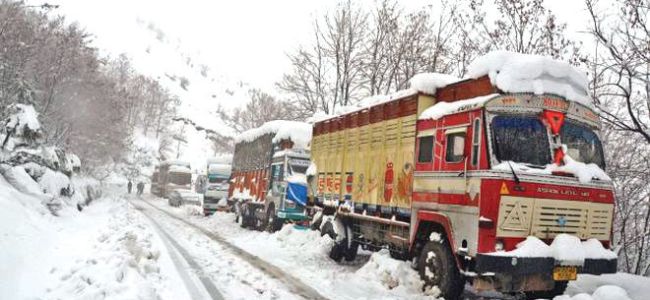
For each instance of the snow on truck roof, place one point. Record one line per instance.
(219, 168)
(427, 83)
(510, 72)
(515, 72)
(297, 132)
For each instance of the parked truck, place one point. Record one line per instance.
(268, 185)
(453, 175)
(172, 175)
(217, 183)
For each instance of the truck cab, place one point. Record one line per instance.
(288, 168)
(464, 177)
(216, 187)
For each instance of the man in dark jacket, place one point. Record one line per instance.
(129, 186)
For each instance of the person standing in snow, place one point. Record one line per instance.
(129, 186)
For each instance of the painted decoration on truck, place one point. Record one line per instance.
(405, 182)
(349, 186)
(359, 191)
(388, 182)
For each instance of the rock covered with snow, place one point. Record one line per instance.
(442, 109)
(298, 132)
(516, 73)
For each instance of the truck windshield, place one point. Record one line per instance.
(521, 139)
(217, 178)
(298, 165)
(180, 178)
(582, 144)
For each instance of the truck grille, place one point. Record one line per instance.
(546, 218)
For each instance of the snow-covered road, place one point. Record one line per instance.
(182, 259)
(238, 274)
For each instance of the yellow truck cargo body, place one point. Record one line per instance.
(367, 157)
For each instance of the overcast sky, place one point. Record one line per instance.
(243, 40)
(239, 41)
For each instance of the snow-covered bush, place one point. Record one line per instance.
(38, 169)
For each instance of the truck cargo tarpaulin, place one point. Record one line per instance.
(297, 192)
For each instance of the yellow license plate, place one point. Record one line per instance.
(565, 273)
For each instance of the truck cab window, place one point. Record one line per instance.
(425, 153)
(455, 147)
(476, 137)
(521, 139)
(582, 144)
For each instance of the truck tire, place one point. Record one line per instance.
(246, 219)
(557, 290)
(274, 223)
(260, 224)
(346, 247)
(338, 251)
(437, 267)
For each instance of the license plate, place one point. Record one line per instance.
(565, 273)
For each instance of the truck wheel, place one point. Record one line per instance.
(337, 251)
(274, 223)
(260, 224)
(351, 252)
(245, 217)
(557, 290)
(437, 267)
(344, 247)
(316, 221)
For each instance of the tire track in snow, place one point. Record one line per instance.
(210, 288)
(294, 284)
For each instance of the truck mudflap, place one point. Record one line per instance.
(518, 274)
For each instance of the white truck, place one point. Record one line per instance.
(216, 187)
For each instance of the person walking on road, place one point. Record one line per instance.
(129, 186)
(140, 188)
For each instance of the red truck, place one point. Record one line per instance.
(267, 163)
(454, 176)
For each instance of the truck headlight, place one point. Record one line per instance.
(498, 246)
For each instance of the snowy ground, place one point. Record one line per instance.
(303, 254)
(124, 247)
(108, 251)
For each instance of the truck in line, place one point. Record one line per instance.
(454, 176)
(169, 176)
(216, 186)
(268, 185)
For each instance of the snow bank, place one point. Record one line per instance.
(429, 83)
(515, 73)
(566, 249)
(53, 182)
(605, 292)
(298, 132)
(24, 183)
(620, 285)
(441, 109)
(123, 263)
(391, 273)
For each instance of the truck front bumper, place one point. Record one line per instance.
(292, 215)
(518, 274)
